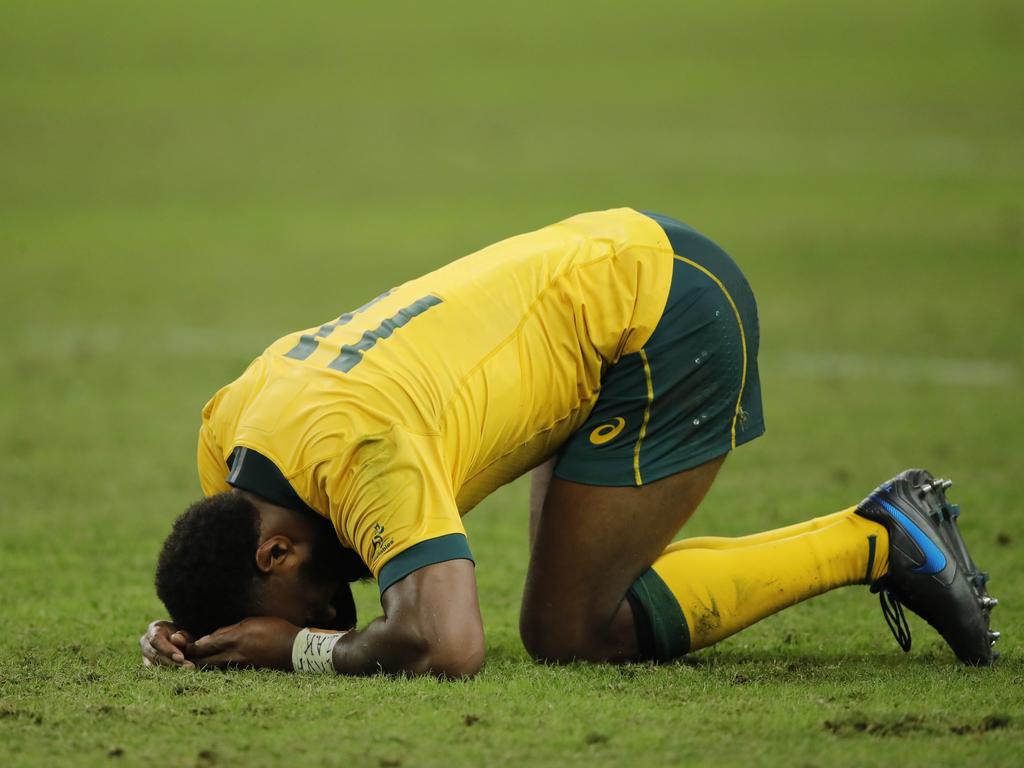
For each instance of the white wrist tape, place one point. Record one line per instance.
(313, 649)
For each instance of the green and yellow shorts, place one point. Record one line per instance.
(692, 393)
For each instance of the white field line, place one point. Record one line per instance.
(192, 341)
(175, 341)
(944, 371)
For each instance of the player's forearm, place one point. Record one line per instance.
(397, 648)
(431, 626)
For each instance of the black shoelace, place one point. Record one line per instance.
(892, 609)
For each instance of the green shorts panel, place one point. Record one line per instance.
(692, 393)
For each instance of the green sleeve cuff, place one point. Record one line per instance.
(451, 547)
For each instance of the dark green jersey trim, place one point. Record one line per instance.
(668, 630)
(451, 547)
(254, 472)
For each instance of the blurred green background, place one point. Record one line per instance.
(182, 183)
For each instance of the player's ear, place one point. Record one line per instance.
(274, 553)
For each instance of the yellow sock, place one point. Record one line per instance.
(696, 595)
(729, 542)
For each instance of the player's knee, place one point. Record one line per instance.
(549, 640)
(542, 643)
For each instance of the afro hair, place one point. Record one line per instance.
(207, 568)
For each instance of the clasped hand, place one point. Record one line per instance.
(260, 641)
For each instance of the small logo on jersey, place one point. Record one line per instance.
(380, 546)
(607, 432)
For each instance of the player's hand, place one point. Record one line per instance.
(164, 645)
(260, 641)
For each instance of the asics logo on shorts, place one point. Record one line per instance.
(607, 432)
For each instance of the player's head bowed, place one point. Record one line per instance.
(207, 575)
(230, 556)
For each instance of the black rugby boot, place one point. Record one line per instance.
(930, 570)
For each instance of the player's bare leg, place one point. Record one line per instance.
(593, 545)
(540, 479)
(588, 545)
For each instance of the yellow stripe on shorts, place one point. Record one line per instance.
(647, 417)
(743, 342)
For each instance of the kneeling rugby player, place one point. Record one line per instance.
(615, 355)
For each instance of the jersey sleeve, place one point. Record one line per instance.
(213, 470)
(394, 505)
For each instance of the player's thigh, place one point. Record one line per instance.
(592, 542)
(625, 482)
(540, 480)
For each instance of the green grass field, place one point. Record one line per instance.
(181, 184)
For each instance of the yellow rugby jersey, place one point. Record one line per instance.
(395, 419)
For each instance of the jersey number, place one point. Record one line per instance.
(352, 354)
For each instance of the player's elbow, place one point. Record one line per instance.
(452, 650)
(456, 667)
(455, 655)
